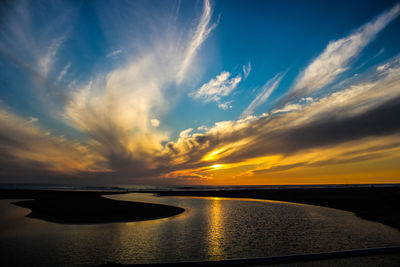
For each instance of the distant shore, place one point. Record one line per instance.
(381, 204)
(74, 207)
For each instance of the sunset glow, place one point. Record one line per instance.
(201, 93)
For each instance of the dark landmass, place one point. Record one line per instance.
(85, 207)
(381, 204)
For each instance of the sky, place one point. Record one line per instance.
(199, 92)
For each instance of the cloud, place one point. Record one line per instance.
(288, 108)
(23, 40)
(154, 122)
(306, 99)
(336, 57)
(246, 70)
(46, 61)
(117, 110)
(283, 167)
(216, 88)
(63, 72)
(382, 67)
(351, 119)
(225, 105)
(114, 53)
(27, 149)
(200, 35)
(31, 40)
(368, 151)
(349, 126)
(202, 128)
(263, 95)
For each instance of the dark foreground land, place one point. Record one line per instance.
(85, 207)
(381, 204)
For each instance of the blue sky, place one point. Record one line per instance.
(130, 84)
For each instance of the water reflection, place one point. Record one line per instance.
(210, 229)
(216, 233)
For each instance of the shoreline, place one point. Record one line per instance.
(68, 207)
(379, 204)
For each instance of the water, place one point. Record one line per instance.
(210, 229)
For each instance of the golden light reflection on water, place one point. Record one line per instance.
(216, 230)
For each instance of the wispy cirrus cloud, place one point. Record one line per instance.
(46, 61)
(217, 88)
(336, 57)
(22, 41)
(114, 53)
(246, 70)
(36, 52)
(63, 72)
(266, 90)
(200, 35)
